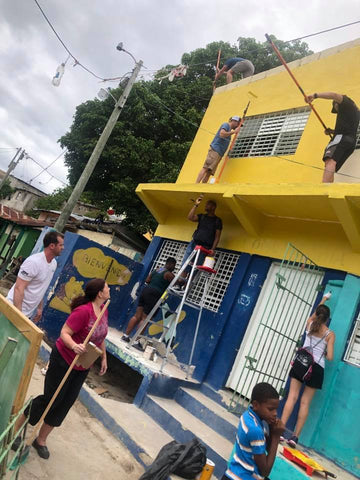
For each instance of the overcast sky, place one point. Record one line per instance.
(34, 114)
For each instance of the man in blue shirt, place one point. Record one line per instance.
(253, 455)
(236, 65)
(217, 148)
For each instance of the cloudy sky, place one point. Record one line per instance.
(34, 114)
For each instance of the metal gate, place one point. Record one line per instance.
(280, 318)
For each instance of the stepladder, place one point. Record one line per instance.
(166, 340)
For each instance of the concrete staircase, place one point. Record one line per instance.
(193, 413)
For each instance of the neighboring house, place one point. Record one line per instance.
(24, 195)
(270, 195)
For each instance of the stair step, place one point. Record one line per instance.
(182, 425)
(208, 411)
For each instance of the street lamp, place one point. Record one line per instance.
(120, 47)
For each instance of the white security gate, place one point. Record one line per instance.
(277, 324)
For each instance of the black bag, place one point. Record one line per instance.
(186, 460)
(303, 362)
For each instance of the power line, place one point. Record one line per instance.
(323, 31)
(67, 49)
(314, 166)
(46, 168)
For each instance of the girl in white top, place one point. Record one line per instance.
(321, 340)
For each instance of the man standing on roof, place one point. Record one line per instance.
(236, 65)
(217, 148)
(344, 135)
(34, 277)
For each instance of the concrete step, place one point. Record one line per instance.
(208, 411)
(183, 426)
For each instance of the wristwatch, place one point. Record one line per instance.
(315, 95)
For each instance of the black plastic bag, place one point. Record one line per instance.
(186, 460)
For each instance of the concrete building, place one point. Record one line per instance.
(24, 195)
(286, 239)
(270, 195)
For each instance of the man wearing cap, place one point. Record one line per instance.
(236, 65)
(344, 135)
(217, 148)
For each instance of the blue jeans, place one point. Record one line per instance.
(187, 253)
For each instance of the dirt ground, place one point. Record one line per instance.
(80, 449)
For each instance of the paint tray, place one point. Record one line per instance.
(310, 465)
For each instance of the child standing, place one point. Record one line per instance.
(253, 456)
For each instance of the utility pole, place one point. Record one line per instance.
(17, 157)
(99, 147)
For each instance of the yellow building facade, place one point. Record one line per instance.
(267, 201)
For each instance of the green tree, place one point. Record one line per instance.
(6, 190)
(156, 128)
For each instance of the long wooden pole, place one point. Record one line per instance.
(53, 398)
(232, 143)
(282, 60)
(217, 68)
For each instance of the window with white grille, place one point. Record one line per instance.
(352, 354)
(276, 133)
(225, 263)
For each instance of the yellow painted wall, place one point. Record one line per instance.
(336, 69)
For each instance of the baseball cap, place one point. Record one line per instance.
(235, 117)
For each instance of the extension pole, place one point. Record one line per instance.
(99, 147)
(69, 370)
(282, 60)
(217, 68)
(232, 143)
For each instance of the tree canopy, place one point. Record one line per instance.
(6, 190)
(156, 127)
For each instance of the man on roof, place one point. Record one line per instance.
(236, 65)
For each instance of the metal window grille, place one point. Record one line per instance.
(225, 263)
(276, 133)
(352, 354)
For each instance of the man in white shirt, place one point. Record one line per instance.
(34, 277)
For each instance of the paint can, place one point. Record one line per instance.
(149, 353)
(209, 262)
(207, 471)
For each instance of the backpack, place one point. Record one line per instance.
(186, 460)
(303, 362)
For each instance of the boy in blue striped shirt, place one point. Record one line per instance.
(254, 455)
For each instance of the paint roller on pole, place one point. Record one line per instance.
(234, 140)
(217, 68)
(282, 60)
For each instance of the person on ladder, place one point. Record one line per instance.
(319, 340)
(218, 148)
(157, 282)
(345, 133)
(206, 235)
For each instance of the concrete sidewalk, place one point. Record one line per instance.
(82, 448)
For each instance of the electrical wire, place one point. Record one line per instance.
(314, 166)
(77, 62)
(50, 164)
(53, 176)
(323, 31)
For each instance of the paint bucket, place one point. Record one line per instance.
(207, 471)
(209, 262)
(149, 352)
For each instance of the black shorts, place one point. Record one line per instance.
(341, 151)
(148, 298)
(316, 379)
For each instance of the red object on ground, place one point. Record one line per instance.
(288, 454)
(110, 211)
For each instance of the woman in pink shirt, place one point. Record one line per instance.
(84, 311)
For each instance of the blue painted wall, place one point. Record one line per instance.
(53, 319)
(333, 424)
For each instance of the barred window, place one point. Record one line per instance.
(276, 133)
(225, 263)
(352, 354)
